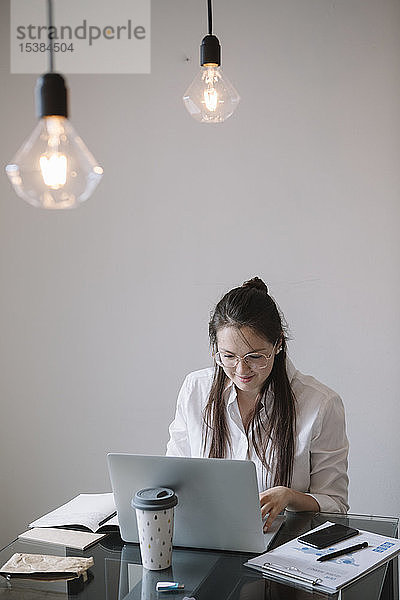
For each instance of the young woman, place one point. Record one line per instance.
(255, 405)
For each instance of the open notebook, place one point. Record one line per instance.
(95, 512)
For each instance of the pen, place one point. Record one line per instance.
(168, 586)
(343, 551)
(107, 518)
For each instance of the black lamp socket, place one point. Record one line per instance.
(51, 96)
(210, 51)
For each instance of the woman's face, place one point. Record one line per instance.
(232, 340)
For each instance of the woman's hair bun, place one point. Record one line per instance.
(257, 284)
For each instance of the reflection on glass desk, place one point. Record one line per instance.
(117, 573)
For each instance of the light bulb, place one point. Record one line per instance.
(53, 168)
(210, 98)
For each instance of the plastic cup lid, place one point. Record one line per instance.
(154, 499)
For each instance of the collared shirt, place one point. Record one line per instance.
(321, 445)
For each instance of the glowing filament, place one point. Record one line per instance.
(211, 98)
(54, 169)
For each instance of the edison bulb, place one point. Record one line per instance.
(53, 168)
(211, 98)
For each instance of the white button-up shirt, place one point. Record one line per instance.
(321, 445)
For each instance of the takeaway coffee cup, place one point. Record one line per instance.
(155, 521)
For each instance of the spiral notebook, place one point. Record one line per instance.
(296, 562)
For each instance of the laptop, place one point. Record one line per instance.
(218, 500)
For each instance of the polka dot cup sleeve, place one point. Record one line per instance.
(155, 520)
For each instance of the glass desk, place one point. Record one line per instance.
(117, 573)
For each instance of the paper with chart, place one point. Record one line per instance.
(295, 560)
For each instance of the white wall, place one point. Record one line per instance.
(103, 310)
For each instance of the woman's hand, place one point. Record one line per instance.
(273, 501)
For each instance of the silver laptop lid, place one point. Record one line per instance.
(218, 502)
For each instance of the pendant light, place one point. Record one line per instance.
(53, 168)
(210, 98)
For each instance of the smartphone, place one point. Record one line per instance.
(328, 536)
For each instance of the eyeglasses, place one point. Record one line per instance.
(254, 360)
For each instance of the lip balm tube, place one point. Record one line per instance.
(168, 586)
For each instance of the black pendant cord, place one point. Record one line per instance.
(50, 29)
(210, 49)
(51, 91)
(209, 17)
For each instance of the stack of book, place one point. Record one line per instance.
(79, 523)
